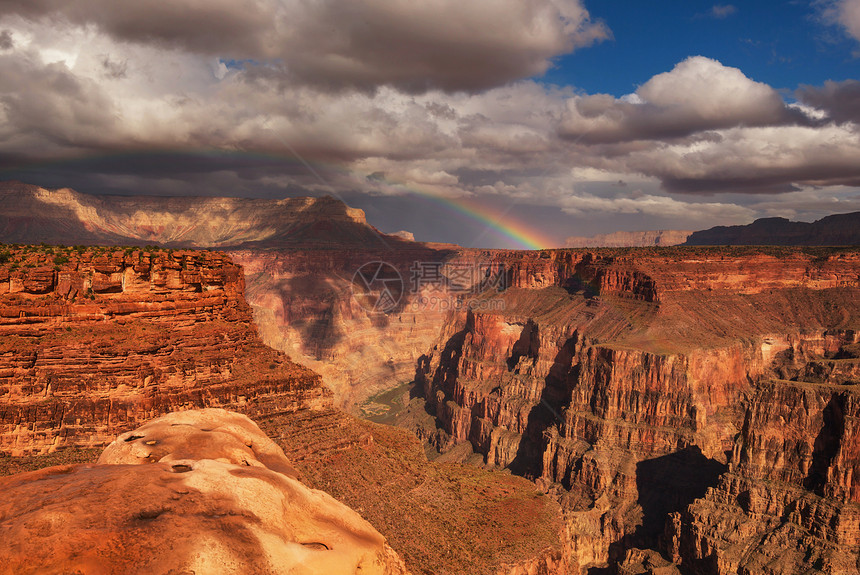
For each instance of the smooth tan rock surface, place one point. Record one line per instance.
(199, 434)
(221, 499)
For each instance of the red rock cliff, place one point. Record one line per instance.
(619, 381)
(94, 341)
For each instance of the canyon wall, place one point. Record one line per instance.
(94, 341)
(620, 380)
(33, 214)
(305, 306)
(790, 500)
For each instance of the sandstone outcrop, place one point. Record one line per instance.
(620, 380)
(790, 501)
(203, 492)
(300, 257)
(683, 409)
(95, 341)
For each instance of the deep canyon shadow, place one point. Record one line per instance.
(666, 484)
(554, 399)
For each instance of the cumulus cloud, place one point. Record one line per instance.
(699, 94)
(103, 83)
(446, 44)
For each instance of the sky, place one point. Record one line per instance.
(488, 123)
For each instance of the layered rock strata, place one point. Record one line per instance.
(95, 341)
(305, 304)
(790, 501)
(619, 381)
(202, 491)
(642, 239)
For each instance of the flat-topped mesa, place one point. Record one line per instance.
(33, 214)
(93, 341)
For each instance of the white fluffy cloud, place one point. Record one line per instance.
(698, 94)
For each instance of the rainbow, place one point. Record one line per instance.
(493, 220)
(498, 222)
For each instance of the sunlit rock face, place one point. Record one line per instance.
(299, 257)
(634, 385)
(95, 341)
(191, 492)
(33, 214)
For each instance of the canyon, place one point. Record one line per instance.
(98, 341)
(696, 402)
(95, 340)
(658, 410)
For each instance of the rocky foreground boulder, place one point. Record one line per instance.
(199, 492)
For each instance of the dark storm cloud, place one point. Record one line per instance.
(179, 174)
(415, 46)
(6, 42)
(50, 108)
(839, 100)
(239, 26)
(382, 98)
(777, 182)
